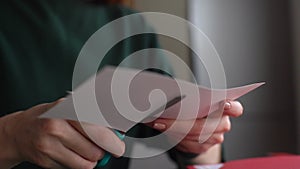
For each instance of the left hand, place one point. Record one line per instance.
(191, 140)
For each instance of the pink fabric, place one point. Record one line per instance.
(277, 162)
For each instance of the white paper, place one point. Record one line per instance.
(122, 98)
(214, 166)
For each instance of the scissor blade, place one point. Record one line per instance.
(165, 106)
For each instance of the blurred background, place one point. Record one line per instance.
(257, 40)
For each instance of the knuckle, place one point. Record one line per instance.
(219, 138)
(52, 127)
(42, 161)
(97, 155)
(49, 125)
(227, 125)
(42, 145)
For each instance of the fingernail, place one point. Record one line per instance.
(159, 126)
(227, 106)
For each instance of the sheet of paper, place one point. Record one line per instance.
(120, 99)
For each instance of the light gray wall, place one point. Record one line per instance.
(178, 8)
(253, 38)
(295, 7)
(174, 7)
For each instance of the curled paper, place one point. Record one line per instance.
(120, 105)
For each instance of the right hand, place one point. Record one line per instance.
(54, 143)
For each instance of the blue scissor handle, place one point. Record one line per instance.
(107, 155)
(170, 103)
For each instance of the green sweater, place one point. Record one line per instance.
(39, 43)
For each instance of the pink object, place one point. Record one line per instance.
(278, 162)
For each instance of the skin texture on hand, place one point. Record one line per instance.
(191, 142)
(47, 142)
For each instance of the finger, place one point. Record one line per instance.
(197, 147)
(78, 143)
(101, 136)
(208, 137)
(193, 127)
(215, 138)
(180, 126)
(224, 125)
(233, 108)
(69, 159)
(53, 164)
(193, 147)
(215, 125)
(45, 161)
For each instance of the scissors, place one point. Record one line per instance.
(107, 156)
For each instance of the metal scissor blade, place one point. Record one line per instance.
(165, 106)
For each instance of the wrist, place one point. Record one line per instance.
(9, 155)
(211, 156)
(182, 159)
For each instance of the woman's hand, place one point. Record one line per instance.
(192, 142)
(53, 143)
